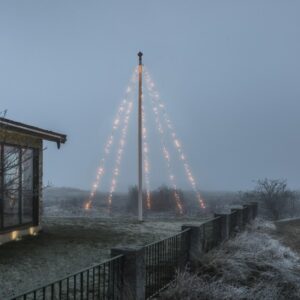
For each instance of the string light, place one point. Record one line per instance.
(160, 106)
(121, 120)
(116, 171)
(107, 148)
(146, 160)
(166, 155)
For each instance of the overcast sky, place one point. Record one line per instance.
(228, 72)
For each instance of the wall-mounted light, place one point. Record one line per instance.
(32, 231)
(14, 235)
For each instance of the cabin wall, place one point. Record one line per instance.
(19, 139)
(18, 233)
(24, 140)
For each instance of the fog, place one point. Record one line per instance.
(228, 72)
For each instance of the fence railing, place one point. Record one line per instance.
(103, 281)
(143, 272)
(162, 259)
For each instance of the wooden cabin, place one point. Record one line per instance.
(21, 171)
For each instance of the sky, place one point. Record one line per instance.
(227, 71)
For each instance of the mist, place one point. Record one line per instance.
(227, 72)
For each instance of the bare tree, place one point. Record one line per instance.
(133, 199)
(162, 199)
(274, 195)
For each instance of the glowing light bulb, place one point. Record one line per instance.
(107, 147)
(167, 157)
(118, 159)
(159, 104)
(146, 160)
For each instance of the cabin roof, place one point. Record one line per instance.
(43, 134)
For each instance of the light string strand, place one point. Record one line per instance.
(108, 145)
(146, 160)
(177, 144)
(119, 154)
(166, 155)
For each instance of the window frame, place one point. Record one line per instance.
(35, 188)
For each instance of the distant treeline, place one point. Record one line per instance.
(276, 200)
(162, 200)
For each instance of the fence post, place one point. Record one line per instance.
(134, 272)
(239, 217)
(255, 209)
(233, 228)
(195, 243)
(224, 223)
(251, 212)
(245, 215)
(217, 234)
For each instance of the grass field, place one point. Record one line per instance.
(67, 245)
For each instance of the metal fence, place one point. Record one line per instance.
(103, 281)
(162, 259)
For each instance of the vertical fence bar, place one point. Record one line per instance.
(103, 281)
(93, 284)
(75, 288)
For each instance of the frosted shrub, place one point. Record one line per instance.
(252, 265)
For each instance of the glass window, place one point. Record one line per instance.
(11, 173)
(27, 169)
(11, 166)
(18, 176)
(27, 206)
(11, 208)
(27, 185)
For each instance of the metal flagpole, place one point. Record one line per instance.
(140, 153)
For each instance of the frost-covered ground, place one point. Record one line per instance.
(68, 245)
(254, 265)
(289, 233)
